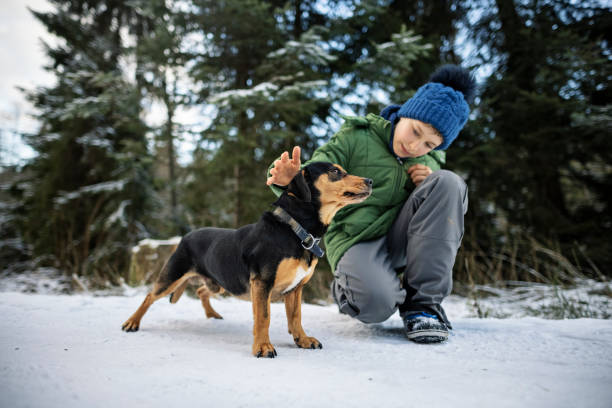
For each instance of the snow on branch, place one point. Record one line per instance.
(108, 186)
(289, 64)
(302, 87)
(262, 90)
(118, 215)
(307, 50)
(267, 91)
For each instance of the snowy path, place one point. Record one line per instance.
(69, 351)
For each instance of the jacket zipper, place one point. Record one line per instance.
(398, 177)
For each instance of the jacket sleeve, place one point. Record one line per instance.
(338, 150)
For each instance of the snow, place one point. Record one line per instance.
(41, 280)
(154, 243)
(261, 90)
(264, 90)
(107, 186)
(118, 215)
(308, 50)
(302, 87)
(588, 298)
(68, 351)
(98, 137)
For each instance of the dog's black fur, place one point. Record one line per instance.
(230, 257)
(234, 259)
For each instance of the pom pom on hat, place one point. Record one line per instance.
(457, 78)
(443, 102)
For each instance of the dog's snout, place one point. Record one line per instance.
(368, 181)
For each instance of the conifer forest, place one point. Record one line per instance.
(115, 161)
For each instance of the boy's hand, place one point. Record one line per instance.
(418, 173)
(285, 169)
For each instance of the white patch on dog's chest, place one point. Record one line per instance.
(300, 274)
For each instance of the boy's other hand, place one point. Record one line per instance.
(418, 173)
(285, 168)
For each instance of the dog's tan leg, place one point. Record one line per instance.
(133, 323)
(293, 307)
(204, 294)
(260, 297)
(176, 295)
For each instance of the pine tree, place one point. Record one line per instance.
(159, 30)
(537, 155)
(90, 188)
(263, 71)
(391, 46)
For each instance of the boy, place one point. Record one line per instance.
(413, 221)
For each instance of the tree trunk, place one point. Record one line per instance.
(297, 25)
(169, 137)
(516, 45)
(238, 207)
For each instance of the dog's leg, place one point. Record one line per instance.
(204, 294)
(293, 307)
(176, 295)
(160, 289)
(260, 296)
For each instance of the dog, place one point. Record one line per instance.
(274, 257)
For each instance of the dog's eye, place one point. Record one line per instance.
(336, 174)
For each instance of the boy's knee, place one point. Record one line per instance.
(372, 306)
(448, 180)
(375, 306)
(451, 185)
(377, 311)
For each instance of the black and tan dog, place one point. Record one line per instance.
(265, 259)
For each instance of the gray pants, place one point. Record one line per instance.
(422, 243)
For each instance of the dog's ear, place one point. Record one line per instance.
(299, 187)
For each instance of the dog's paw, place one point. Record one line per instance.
(213, 315)
(264, 350)
(308, 342)
(130, 325)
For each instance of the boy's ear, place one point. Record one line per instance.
(299, 187)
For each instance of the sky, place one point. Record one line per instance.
(22, 57)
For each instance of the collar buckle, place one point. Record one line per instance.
(309, 242)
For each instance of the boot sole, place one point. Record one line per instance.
(427, 336)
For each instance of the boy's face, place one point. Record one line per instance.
(414, 138)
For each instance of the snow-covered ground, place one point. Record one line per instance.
(68, 351)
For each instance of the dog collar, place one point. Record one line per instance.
(309, 242)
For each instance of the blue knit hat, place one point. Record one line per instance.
(442, 102)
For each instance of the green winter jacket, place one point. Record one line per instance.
(361, 147)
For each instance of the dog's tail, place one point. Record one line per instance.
(178, 265)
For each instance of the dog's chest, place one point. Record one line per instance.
(291, 272)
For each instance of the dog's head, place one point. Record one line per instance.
(329, 188)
